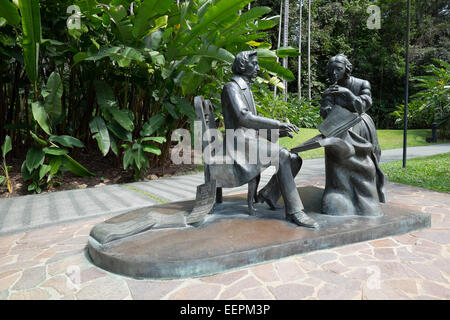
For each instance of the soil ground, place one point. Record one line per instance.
(108, 170)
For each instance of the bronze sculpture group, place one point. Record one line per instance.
(354, 180)
(183, 238)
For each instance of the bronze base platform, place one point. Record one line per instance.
(230, 238)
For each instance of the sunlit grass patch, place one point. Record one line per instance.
(432, 172)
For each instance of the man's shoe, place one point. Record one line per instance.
(300, 218)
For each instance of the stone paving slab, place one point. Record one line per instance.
(51, 263)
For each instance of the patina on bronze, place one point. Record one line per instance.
(354, 180)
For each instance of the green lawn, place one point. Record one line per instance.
(389, 139)
(430, 172)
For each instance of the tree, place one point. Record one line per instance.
(285, 42)
(309, 49)
(278, 43)
(299, 76)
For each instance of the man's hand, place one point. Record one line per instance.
(286, 129)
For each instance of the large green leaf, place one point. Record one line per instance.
(55, 163)
(275, 68)
(171, 109)
(138, 155)
(266, 53)
(37, 139)
(189, 81)
(151, 149)
(267, 23)
(210, 51)
(120, 132)
(126, 55)
(44, 170)
(26, 175)
(77, 168)
(252, 14)
(6, 147)
(35, 157)
(147, 10)
(52, 103)
(67, 141)
(55, 151)
(41, 116)
(105, 95)
(284, 52)
(153, 124)
(122, 55)
(127, 158)
(160, 22)
(31, 26)
(185, 107)
(98, 126)
(9, 12)
(122, 118)
(117, 13)
(215, 13)
(156, 139)
(102, 53)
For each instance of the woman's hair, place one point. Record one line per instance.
(241, 60)
(342, 59)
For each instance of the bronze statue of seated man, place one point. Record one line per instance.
(250, 152)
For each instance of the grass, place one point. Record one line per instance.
(389, 139)
(430, 172)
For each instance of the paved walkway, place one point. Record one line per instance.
(50, 262)
(34, 211)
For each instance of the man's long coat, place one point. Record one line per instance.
(249, 153)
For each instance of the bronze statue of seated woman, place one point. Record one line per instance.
(354, 180)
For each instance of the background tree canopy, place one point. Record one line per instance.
(378, 55)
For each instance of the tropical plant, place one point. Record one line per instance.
(301, 112)
(4, 179)
(122, 72)
(431, 103)
(170, 55)
(48, 158)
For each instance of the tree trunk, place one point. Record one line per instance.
(309, 49)
(279, 42)
(300, 51)
(285, 43)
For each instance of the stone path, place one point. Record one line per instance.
(29, 212)
(50, 263)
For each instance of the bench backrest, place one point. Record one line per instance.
(204, 112)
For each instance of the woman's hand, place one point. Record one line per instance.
(342, 92)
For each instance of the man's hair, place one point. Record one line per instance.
(241, 60)
(342, 58)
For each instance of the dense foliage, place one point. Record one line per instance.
(432, 103)
(122, 72)
(378, 55)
